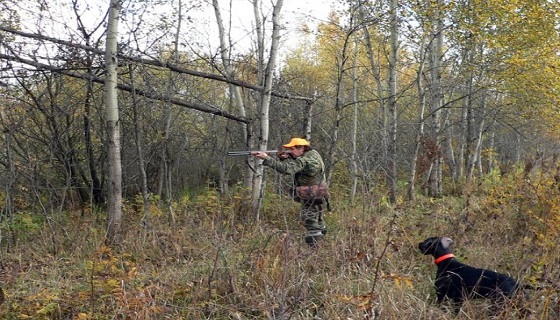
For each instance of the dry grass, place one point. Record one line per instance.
(213, 266)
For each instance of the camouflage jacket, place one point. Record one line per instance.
(308, 169)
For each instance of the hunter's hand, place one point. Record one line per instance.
(260, 155)
(283, 155)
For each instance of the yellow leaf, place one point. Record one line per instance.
(82, 316)
(362, 302)
(48, 309)
(408, 283)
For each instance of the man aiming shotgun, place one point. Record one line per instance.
(310, 187)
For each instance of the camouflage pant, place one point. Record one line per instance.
(311, 215)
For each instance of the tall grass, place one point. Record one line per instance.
(212, 265)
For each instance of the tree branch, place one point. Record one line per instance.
(157, 63)
(151, 95)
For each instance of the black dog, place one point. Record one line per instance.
(457, 281)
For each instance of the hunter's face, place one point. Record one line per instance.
(296, 151)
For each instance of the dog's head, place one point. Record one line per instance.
(436, 246)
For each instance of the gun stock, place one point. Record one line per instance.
(247, 153)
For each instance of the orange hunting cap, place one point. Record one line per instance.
(296, 142)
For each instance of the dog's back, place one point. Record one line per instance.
(458, 281)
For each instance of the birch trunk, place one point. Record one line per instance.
(392, 103)
(467, 121)
(308, 119)
(258, 185)
(448, 146)
(411, 193)
(476, 142)
(114, 177)
(435, 176)
(492, 163)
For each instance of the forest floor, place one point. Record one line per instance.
(212, 265)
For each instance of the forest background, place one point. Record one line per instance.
(119, 202)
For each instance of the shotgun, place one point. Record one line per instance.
(248, 153)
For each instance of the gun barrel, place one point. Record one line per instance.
(246, 153)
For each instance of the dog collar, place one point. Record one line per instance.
(445, 256)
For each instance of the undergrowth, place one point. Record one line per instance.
(213, 265)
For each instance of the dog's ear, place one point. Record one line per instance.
(446, 242)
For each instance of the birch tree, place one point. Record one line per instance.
(265, 96)
(435, 173)
(392, 101)
(114, 178)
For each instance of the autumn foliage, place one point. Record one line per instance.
(434, 118)
(213, 265)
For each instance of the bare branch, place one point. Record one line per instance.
(157, 63)
(151, 95)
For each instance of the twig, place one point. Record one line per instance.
(378, 263)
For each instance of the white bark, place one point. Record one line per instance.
(392, 147)
(266, 94)
(435, 178)
(114, 178)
